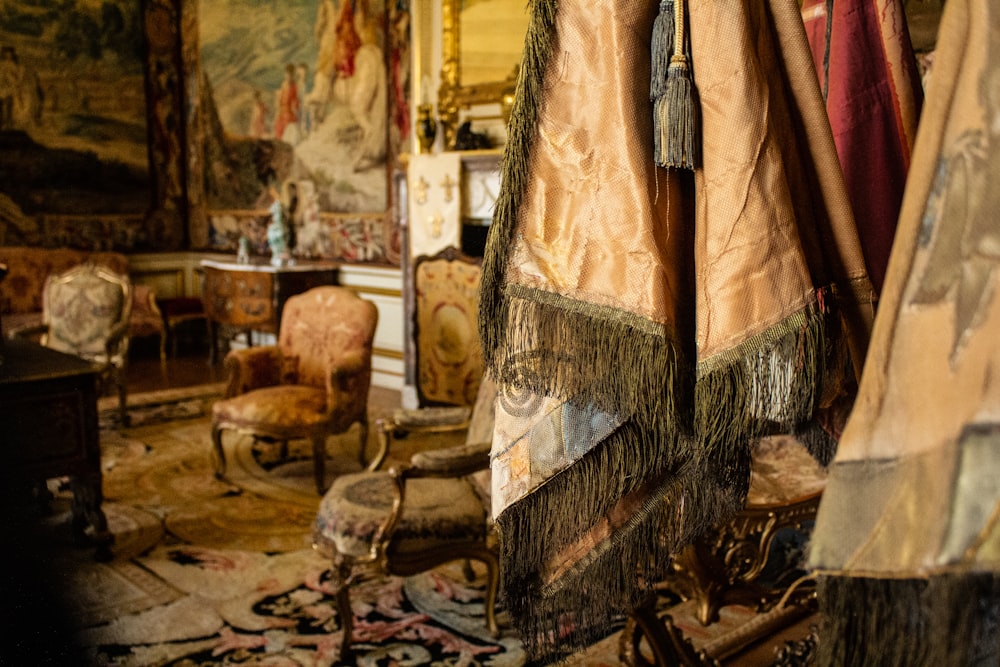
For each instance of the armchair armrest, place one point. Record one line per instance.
(347, 368)
(420, 420)
(444, 462)
(32, 332)
(252, 368)
(449, 461)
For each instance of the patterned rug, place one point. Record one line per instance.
(221, 572)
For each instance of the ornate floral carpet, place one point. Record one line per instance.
(210, 572)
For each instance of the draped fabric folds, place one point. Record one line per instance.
(907, 540)
(868, 72)
(645, 325)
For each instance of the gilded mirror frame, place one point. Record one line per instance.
(453, 96)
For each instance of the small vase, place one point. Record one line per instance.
(426, 127)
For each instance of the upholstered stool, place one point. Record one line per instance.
(437, 511)
(402, 523)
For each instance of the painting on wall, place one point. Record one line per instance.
(75, 150)
(304, 101)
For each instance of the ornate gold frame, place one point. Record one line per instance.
(452, 95)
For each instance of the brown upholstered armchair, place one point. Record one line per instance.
(85, 312)
(414, 517)
(314, 383)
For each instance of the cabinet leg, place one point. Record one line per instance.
(90, 524)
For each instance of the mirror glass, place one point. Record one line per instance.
(492, 36)
(481, 43)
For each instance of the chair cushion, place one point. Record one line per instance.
(436, 510)
(783, 472)
(283, 410)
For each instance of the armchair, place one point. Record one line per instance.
(414, 517)
(146, 319)
(85, 312)
(448, 357)
(312, 384)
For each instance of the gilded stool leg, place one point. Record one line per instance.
(219, 459)
(342, 571)
(382, 428)
(362, 446)
(490, 601)
(319, 462)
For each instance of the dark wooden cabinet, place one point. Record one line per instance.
(251, 297)
(48, 428)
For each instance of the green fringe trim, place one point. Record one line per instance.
(589, 354)
(514, 174)
(948, 619)
(737, 391)
(557, 618)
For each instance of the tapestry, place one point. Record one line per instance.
(907, 542)
(312, 115)
(89, 153)
(646, 325)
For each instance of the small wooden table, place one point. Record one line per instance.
(48, 428)
(252, 296)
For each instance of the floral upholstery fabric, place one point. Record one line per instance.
(84, 309)
(783, 471)
(436, 510)
(446, 310)
(28, 268)
(282, 411)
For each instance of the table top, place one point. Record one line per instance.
(264, 266)
(25, 361)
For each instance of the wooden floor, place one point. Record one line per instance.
(190, 367)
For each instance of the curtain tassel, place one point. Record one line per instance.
(674, 108)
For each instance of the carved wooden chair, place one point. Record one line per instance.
(414, 517)
(85, 312)
(312, 384)
(447, 353)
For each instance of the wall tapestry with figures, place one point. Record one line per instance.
(303, 101)
(89, 122)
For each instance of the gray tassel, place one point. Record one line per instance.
(661, 48)
(674, 112)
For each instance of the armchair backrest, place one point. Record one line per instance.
(448, 354)
(320, 329)
(86, 310)
(483, 413)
